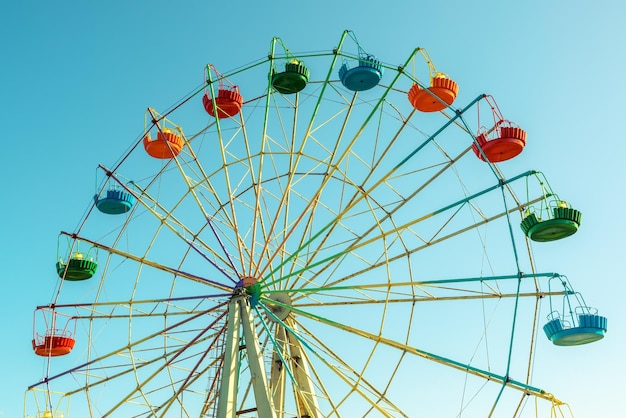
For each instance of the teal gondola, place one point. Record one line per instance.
(114, 201)
(587, 328)
(576, 323)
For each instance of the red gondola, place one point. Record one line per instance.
(228, 101)
(503, 141)
(54, 341)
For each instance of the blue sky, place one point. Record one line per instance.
(78, 76)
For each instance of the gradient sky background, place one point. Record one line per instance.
(77, 77)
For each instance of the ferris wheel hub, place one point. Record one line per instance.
(251, 287)
(281, 308)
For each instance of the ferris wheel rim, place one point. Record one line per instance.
(258, 270)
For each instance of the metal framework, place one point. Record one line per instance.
(323, 254)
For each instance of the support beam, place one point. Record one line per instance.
(240, 323)
(227, 401)
(258, 378)
(278, 376)
(304, 392)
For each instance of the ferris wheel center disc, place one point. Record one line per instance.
(282, 307)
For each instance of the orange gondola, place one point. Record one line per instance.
(438, 96)
(167, 141)
(440, 93)
(166, 144)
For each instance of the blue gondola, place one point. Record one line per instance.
(362, 77)
(114, 201)
(366, 75)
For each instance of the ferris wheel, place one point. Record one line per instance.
(312, 235)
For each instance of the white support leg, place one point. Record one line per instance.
(227, 401)
(305, 391)
(278, 377)
(255, 362)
